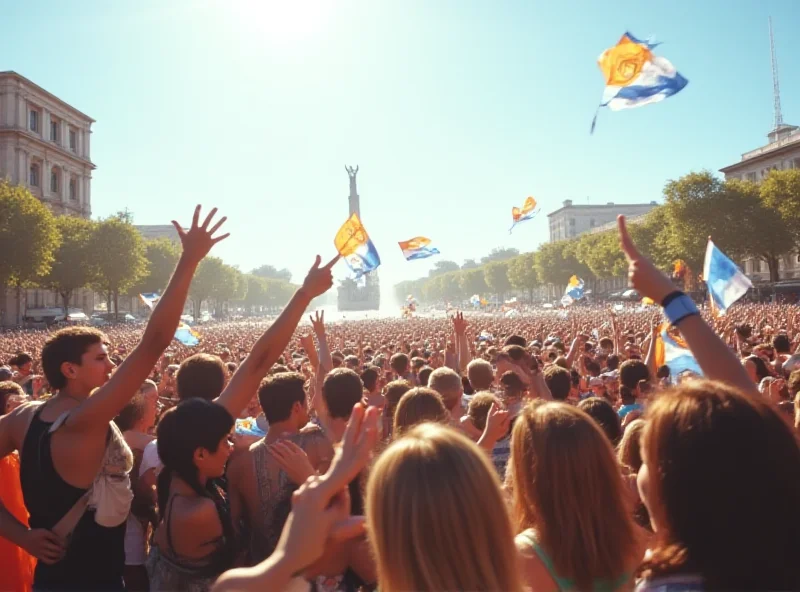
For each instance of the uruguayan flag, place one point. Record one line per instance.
(726, 282)
(672, 351)
(150, 300)
(573, 292)
(186, 335)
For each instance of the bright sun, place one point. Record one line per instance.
(283, 20)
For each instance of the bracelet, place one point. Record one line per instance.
(670, 297)
(678, 306)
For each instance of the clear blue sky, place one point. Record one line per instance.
(455, 110)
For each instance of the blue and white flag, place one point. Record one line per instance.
(573, 292)
(671, 351)
(726, 282)
(149, 300)
(186, 335)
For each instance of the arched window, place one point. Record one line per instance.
(73, 189)
(33, 175)
(54, 180)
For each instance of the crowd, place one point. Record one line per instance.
(548, 451)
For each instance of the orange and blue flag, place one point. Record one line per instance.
(527, 212)
(635, 76)
(186, 335)
(671, 351)
(417, 248)
(354, 245)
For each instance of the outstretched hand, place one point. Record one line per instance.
(319, 279)
(459, 324)
(318, 322)
(198, 240)
(642, 274)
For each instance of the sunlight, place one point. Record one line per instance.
(283, 21)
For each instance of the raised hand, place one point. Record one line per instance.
(642, 274)
(198, 240)
(459, 324)
(318, 322)
(293, 460)
(319, 279)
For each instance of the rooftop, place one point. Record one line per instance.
(568, 205)
(783, 139)
(51, 96)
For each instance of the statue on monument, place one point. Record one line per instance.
(352, 172)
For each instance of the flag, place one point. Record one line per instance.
(573, 292)
(417, 248)
(679, 268)
(186, 335)
(671, 350)
(726, 282)
(636, 77)
(149, 300)
(528, 212)
(354, 245)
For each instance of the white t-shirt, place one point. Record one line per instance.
(150, 459)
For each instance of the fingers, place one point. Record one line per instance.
(317, 261)
(332, 262)
(180, 230)
(348, 528)
(217, 225)
(208, 218)
(196, 217)
(220, 238)
(628, 246)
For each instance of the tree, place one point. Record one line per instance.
(271, 272)
(208, 274)
(162, 256)
(500, 254)
(451, 289)
(469, 264)
(117, 258)
(279, 292)
(71, 269)
(781, 191)
(443, 266)
(496, 276)
(554, 266)
(228, 286)
(472, 282)
(28, 240)
(433, 289)
(256, 295)
(522, 273)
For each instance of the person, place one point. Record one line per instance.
(195, 541)
(419, 405)
(448, 384)
(436, 477)
(392, 392)
(23, 362)
(74, 461)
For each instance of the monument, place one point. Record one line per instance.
(364, 293)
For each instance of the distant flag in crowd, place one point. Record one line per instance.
(186, 335)
(354, 245)
(475, 300)
(636, 77)
(248, 427)
(679, 268)
(527, 212)
(149, 300)
(726, 282)
(573, 292)
(671, 351)
(417, 248)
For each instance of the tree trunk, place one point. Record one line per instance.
(772, 265)
(19, 305)
(108, 302)
(65, 300)
(197, 305)
(116, 305)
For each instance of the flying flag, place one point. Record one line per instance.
(528, 212)
(186, 335)
(573, 292)
(149, 300)
(726, 282)
(417, 248)
(671, 351)
(679, 268)
(354, 245)
(636, 77)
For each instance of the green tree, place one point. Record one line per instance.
(208, 275)
(117, 260)
(230, 285)
(473, 282)
(279, 292)
(496, 276)
(162, 256)
(522, 273)
(469, 264)
(433, 289)
(451, 289)
(28, 240)
(557, 262)
(781, 191)
(71, 269)
(272, 273)
(443, 266)
(256, 295)
(499, 254)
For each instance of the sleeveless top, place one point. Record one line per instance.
(95, 556)
(565, 584)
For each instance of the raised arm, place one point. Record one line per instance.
(271, 344)
(714, 357)
(109, 399)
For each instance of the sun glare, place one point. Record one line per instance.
(283, 21)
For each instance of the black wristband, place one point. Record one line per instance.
(670, 297)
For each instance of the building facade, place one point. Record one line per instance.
(781, 152)
(572, 220)
(156, 231)
(45, 145)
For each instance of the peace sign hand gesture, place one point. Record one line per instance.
(642, 274)
(198, 240)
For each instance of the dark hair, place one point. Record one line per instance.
(626, 394)
(8, 388)
(512, 384)
(67, 346)
(479, 407)
(399, 363)
(515, 340)
(20, 359)
(558, 381)
(278, 393)
(663, 371)
(606, 343)
(761, 367)
(393, 392)
(604, 415)
(131, 413)
(516, 352)
(631, 372)
(612, 362)
(341, 390)
(201, 376)
(370, 377)
(781, 343)
(592, 368)
(424, 374)
(419, 405)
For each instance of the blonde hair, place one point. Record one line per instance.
(419, 405)
(629, 450)
(563, 472)
(426, 506)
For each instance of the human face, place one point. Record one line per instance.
(211, 464)
(94, 370)
(151, 407)
(25, 369)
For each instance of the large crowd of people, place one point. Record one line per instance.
(546, 451)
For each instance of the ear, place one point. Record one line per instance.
(199, 455)
(68, 370)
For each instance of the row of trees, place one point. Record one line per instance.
(745, 220)
(66, 253)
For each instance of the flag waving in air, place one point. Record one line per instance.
(527, 212)
(635, 76)
(354, 245)
(418, 248)
(186, 335)
(671, 351)
(573, 292)
(726, 282)
(149, 300)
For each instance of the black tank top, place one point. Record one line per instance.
(95, 555)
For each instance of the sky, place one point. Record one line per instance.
(454, 110)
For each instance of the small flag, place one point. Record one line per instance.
(573, 292)
(671, 351)
(417, 248)
(248, 427)
(186, 335)
(354, 245)
(528, 212)
(635, 77)
(150, 300)
(726, 282)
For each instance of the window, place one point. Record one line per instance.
(572, 221)
(34, 121)
(751, 177)
(73, 140)
(73, 190)
(53, 131)
(54, 181)
(33, 175)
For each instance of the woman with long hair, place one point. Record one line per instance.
(569, 503)
(427, 500)
(419, 405)
(721, 479)
(194, 542)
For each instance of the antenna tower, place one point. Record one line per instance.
(776, 89)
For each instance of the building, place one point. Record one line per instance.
(157, 231)
(45, 145)
(573, 220)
